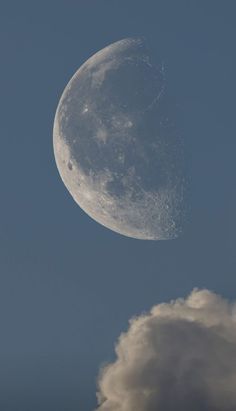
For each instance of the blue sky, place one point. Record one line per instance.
(68, 286)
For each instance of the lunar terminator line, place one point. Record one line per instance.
(117, 148)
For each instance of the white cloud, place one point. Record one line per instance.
(179, 357)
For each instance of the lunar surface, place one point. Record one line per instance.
(117, 146)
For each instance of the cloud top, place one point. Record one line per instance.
(179, 357)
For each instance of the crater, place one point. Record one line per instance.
(70, 166)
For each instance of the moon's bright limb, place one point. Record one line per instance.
(116, 147)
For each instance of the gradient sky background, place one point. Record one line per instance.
(68, 286)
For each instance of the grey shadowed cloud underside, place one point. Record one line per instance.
(179, 357)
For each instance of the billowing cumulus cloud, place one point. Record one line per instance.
(179, 357)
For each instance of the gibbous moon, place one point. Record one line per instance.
(117, 145)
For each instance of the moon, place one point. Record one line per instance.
(117, 145)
